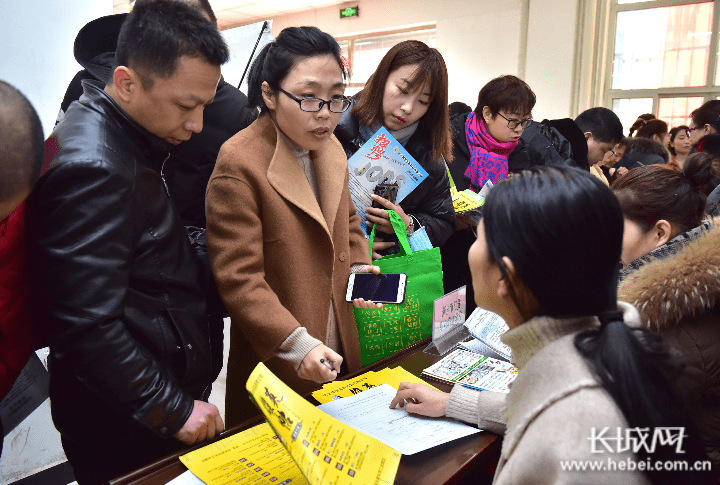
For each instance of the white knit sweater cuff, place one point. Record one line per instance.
(462, 404)
(297, 346)
(483, 408)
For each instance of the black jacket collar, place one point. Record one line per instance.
(155, 148)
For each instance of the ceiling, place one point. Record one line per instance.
(231, 13)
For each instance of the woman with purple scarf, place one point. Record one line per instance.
(482, 142)
(484, 138)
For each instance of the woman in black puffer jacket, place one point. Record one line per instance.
(408, 95)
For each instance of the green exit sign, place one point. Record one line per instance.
(348, 12)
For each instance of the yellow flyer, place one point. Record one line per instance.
(254, 456)
(327, 451)
(363, 382)
(465, 200)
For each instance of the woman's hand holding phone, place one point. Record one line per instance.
(313, 370)
(359, 302)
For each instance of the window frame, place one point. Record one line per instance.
(352, 38)
(708, 92)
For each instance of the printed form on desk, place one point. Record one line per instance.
(369, 412)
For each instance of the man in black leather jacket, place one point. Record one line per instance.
(193, 161)
(132, 359)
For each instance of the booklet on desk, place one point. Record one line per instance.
(487, 328)
(473, 370)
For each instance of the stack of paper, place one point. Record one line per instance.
(370, 413)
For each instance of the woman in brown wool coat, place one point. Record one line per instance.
(283, 235)
(679, 298)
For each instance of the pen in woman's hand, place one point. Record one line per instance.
(327, 363)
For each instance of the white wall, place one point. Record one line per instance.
(36, 48)
(550, 56)
(479, 39)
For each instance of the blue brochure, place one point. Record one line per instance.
(382, 159)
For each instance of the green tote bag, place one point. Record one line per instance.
(392, 328)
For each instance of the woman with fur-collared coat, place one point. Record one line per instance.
(679, 298)
(283, 234)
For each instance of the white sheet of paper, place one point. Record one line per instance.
(369, 412)
(186, 478)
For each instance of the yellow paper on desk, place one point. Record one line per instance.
(363, 382)
(326, 450)
(255, 455)
(463, 202)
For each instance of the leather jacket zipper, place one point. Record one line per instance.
(162, 175)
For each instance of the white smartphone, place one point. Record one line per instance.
(382, 288)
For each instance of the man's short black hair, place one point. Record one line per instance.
(604, 125)
(156, 34)
(203, 5)
(22, 144)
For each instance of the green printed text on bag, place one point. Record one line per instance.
(395, 327)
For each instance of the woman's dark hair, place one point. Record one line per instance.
(652, 127)
(278, 58)
(707, 114)
(641, 120)
(623, 143)
(673, 133)
(559, 210)
(155, 35)
(508, 93)
(435, 123)
(653, 192)
(562, 229)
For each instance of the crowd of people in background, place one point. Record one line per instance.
(165, 200)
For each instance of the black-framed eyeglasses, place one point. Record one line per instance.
(689, 130)
(512, 124)
(313, 105)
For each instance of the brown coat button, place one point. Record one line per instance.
(343, 256)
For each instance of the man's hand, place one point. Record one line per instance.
(420, 399)
(203, 424)
(313, 370)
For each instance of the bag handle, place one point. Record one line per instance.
(400, 232)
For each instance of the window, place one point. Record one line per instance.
(364, 52)
(663, 59)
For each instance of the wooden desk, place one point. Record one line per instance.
(468, 460)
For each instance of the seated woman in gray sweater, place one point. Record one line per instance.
(587, 374)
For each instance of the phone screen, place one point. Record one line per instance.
(378, 288)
